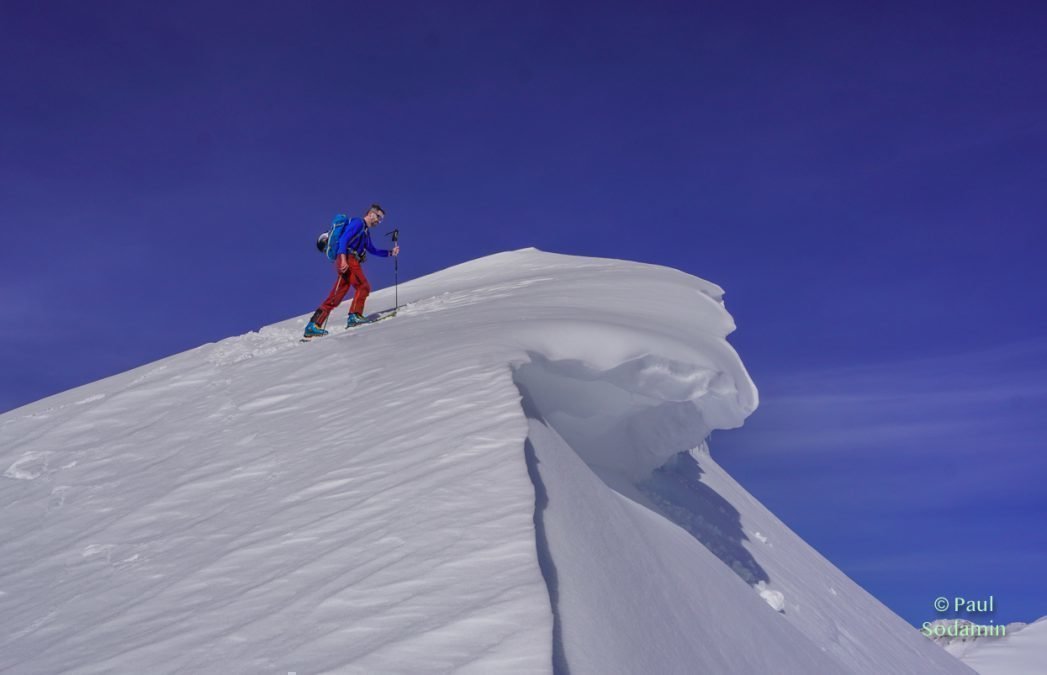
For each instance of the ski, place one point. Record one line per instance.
(374, 317)
(380, 316)
(384, 314)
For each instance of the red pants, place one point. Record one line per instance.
(354, 276)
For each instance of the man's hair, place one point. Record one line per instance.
(376, 207)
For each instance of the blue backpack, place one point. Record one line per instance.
(327, 243)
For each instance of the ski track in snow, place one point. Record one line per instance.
(509, 476)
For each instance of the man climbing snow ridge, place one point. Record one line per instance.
(353, 246)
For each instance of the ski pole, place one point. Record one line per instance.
(395, 234)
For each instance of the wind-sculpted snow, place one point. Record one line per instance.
(506, 477)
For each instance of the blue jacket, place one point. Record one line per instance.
(359, 235)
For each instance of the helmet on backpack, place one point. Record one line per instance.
(327, 243)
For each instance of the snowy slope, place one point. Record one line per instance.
(959, 645)
(1022, 653)
(509, 476)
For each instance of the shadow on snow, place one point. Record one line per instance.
(621, 422)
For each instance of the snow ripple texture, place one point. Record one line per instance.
(508, 477)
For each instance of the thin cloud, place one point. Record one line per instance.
(910, 406)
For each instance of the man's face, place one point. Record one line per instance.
(373, 217)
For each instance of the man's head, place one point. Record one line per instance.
(374, 215)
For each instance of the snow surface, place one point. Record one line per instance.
(1021, 652)
(509, 476)
(961, 644)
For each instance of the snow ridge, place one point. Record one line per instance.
(510, 476)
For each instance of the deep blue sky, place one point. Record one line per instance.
(867, 182)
